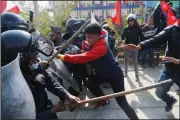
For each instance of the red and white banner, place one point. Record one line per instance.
(7, 7)
(116, 17)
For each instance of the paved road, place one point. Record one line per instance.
(146, 104)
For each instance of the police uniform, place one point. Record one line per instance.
(19, 40)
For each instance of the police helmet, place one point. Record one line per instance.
(131, 17)
(83, 21)
(19, 41)
(72, 49)
(12, 21)
(72, 25)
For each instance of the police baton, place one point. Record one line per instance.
(65, 45)
(126, 92)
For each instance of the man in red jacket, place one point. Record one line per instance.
(105, 66)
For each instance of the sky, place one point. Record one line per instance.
(42, 4)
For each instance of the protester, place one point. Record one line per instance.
(148, 31)
(55, 36)
(132, 35)
(172, 59)
(105, 66)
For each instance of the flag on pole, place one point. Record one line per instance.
(14, 9)
(167, 10)
(116, 14)
(3, 6)
(6, 7)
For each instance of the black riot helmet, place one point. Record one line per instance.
(12, 21)
(19, 41)
(83, 21)
(72, 25)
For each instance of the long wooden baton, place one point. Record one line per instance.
(65, 45)
(125, 92)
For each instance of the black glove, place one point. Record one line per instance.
(44, 64)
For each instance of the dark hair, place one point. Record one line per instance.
(170, 3)
(93, 29)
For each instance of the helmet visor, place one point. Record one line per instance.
(42, 44)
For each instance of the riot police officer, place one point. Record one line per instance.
(12, 21)
(73, 25)
(15, 41)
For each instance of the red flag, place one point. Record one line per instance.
(116, 19)
(14, 9)
(3, 6)
(167, 10)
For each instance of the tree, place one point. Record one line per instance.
(45, 21)
(60, 17)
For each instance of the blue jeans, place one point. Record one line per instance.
(161, 92)
(144, 53)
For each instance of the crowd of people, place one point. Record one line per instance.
(91, 60)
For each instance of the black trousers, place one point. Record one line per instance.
(117, 84)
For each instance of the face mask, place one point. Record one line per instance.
(33, 66)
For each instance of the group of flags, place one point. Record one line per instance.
(5, 7)
(115, 18)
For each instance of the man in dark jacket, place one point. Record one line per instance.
(105, 66)
(38, 80)
(171, 35)
(55, 36)
(132, 35)
(148, 31)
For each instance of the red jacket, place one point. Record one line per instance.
(97, 51)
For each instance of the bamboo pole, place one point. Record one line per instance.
(126, 92)
(65, 45)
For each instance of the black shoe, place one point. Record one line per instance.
(143, 66)
(169, 106)
(137, 78)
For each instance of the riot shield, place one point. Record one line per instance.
(42, 44)
(17, 101)
(58, 67)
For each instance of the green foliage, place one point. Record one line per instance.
(25, 15)
(140, 20)
(42, 23)
(123, 23)
(60, 18)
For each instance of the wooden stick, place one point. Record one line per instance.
(125, 92)
(65, 45)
